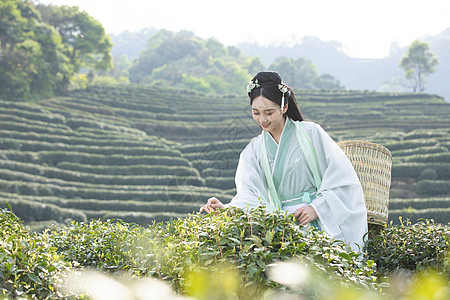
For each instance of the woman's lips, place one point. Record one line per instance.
(265, 126)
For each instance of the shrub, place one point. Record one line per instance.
(248, 241)
(141, 218)
(210, 172)
(415, 247)
(102, 245)
(433, 187)
(29, 265)
(420, 150)
(420, 203)
(220, 182)
(188, 253)
(428, 173)
(399, 193)
(130, 169)
(424, 134)
(413, 170)
(438, 215)
(411, 144)
(35, 211)
(443, 157)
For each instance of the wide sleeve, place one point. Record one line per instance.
(339, 204)
(251, 190)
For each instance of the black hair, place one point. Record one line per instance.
(268, 88)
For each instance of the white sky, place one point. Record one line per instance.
(365, 28)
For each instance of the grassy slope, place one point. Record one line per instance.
(144, 153)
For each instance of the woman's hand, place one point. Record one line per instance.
(212, 204)
(305, 214)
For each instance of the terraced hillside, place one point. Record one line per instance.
(144, 154)
(58, 164)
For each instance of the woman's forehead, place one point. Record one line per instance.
(262, 103)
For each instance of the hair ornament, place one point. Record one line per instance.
(284, 89)
(251, 85)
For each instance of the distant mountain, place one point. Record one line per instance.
(360, 73)
(354, 73)
(440, 80)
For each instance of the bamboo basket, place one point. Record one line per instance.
(372, 163)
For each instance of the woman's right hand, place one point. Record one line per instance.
(212, 204)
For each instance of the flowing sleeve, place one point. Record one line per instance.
(339, 204)
(251, 189)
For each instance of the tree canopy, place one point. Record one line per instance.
(47, 49)
(43, 47)
(302, 73)
(418, 63)
(186, 61)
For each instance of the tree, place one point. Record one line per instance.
(255, 65)
(417, 64)
(185, 61)
(298, 73)
(43, 47)
(328, 82)
(302, 74)
(87, 44)
(32, 57)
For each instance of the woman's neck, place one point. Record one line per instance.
(276, 133)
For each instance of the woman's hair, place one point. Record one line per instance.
(267, 87)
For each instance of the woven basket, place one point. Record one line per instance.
(372, 163)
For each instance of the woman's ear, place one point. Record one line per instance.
(285, 108)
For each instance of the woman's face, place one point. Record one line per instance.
(268, 115)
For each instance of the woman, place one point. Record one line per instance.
(295, 166)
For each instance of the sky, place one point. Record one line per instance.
(364, 28)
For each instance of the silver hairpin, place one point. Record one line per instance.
(251, 85)
(283, 88)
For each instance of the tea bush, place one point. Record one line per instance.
(29, 265)
(229, 253)
(44, 211)
(428, 174)
(414, 170)
(419, 203)
(439, 215)
(102, 245)
(130, 169)
(246, 241)
(414, 247)
(433, 187)
(435, 157)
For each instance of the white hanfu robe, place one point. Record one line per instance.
(338, 202)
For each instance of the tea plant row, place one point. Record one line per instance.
(147, 145)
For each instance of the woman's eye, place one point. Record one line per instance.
(269, 114)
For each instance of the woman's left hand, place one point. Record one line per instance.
(305, 214)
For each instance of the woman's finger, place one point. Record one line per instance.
(217, 205)
(213, 200)
(302, 219)
(305, 221)
(299, 212)
(206, 208)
